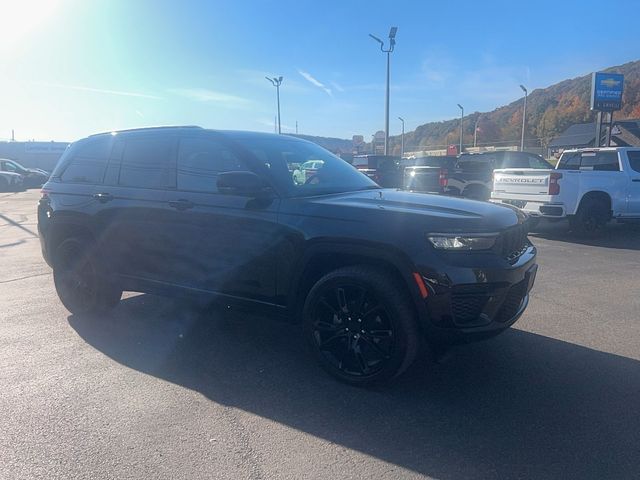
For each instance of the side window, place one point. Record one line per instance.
(600, 161)
(148, 162)
(88, 161)
(634, 160)
(8, 167)
(607, 161)
(200, 160)
(569, 161)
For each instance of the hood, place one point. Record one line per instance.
(451, 213)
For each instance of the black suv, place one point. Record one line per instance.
(373, 274)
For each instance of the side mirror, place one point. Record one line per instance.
(246, 184)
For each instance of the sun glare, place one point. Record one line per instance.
(20, 18)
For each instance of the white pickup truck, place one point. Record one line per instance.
(588, 186)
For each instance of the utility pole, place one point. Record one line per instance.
(524, 117)
(402, 137)
(276, 82)
(461, 131)
(296, 127)
(392, 43)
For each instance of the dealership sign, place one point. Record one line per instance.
(606, 91)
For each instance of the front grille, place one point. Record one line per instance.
(467, 308)
(512, 302)
(513, 243)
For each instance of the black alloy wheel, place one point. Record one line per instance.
(361, 326)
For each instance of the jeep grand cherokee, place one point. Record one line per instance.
(373, 274)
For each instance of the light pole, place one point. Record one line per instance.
(392, 44)
(402, 137)
(276, 82)
(461, 120)
(524, 117)
(475, 131)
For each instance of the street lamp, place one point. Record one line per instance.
(461, 120)
(402, 137)
(392, 44)
(524, 116)
(276, 82)
(475, 131)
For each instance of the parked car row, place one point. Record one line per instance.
(14, 176)
(466, 175)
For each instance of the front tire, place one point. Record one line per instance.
(361, 325)
(82, 286)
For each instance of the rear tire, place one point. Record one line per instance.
(361, 325)
(81, 283)
(591, 218)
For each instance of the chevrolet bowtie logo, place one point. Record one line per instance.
(610, 82)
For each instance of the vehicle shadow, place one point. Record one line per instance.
(620, 236)
(519, 406)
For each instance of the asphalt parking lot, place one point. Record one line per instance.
(161, 390)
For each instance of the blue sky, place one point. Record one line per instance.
(69, 68)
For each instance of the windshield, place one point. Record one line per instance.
(300, 168)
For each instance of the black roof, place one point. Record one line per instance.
(584, 135)
(237, 135)
(578, 135)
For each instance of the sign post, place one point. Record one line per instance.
(606, 96)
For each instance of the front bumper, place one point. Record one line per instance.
(472, 303)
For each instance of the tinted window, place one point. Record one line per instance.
(537, 162)
(515, 161)
(634, 160)
(88, 161)
(200, 160)
(360, 162)
(9, 167)
(603, 161)
(147, 162)
(569, 161)
(333, 174)
(479, 163)
(607, 161)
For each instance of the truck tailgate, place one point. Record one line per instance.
(528, 182)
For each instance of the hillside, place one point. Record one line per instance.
(549, 112)
(330, 143)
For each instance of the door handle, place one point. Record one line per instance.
(181, 204)
(103, 197)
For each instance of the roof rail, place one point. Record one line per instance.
(143, 129)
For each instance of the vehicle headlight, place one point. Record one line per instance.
(462, 241)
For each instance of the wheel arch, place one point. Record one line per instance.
(597, 195)
(327, 257)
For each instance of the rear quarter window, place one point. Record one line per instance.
(88, 161)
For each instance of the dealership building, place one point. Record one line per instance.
(33, 154)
